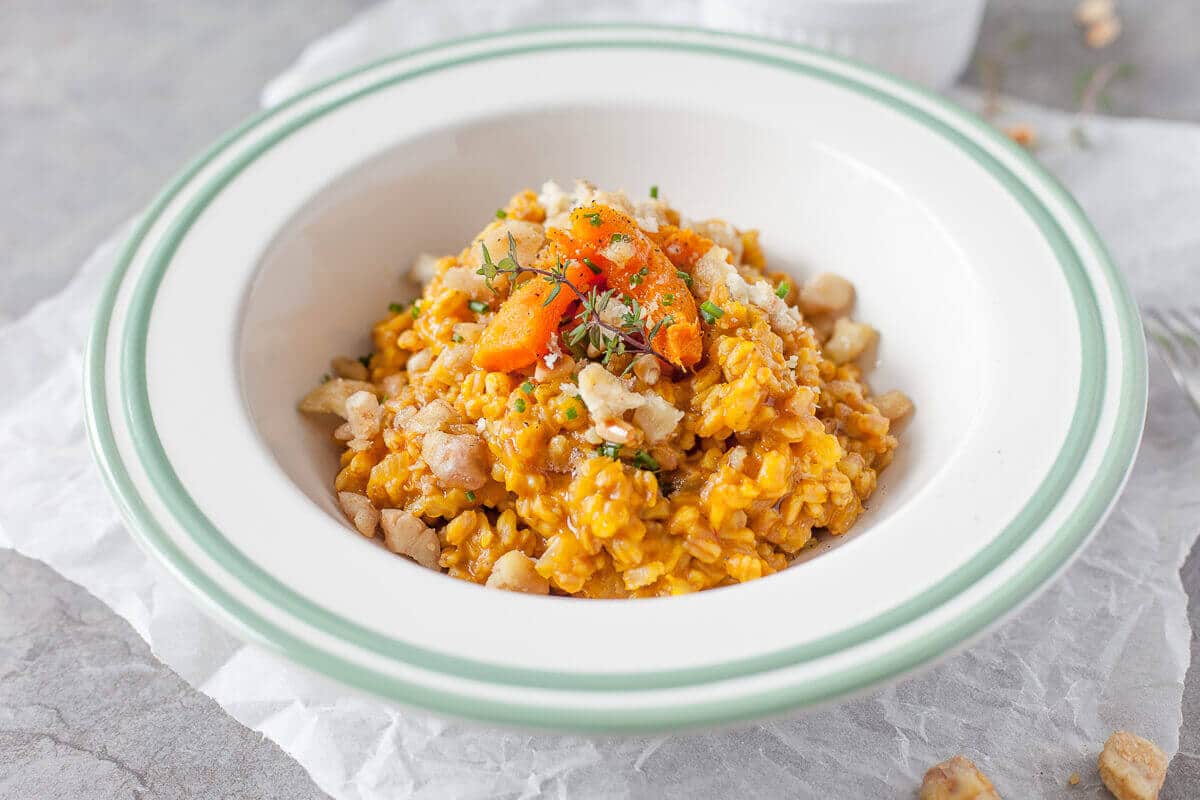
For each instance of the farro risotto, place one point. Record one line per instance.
(598, 397)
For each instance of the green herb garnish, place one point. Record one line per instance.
(501, 213)
(395, 308)
(711, 311)
(619, 237)
(666, 321)
(416, 309)
(654, 192)
(470, 495)
(572, 413)
(590, 329)
(527, 387)
(643, 460)
(593, 218)
(587, 262)
(782, 290)
(610, 449)
(456, 338)
(519, 404)
(668, 299)
(478, 306)
(683, 276)
(636, 278)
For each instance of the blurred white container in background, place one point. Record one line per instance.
(927, 41)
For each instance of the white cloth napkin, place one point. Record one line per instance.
(1105, 648)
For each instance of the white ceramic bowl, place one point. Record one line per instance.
(1001, 315)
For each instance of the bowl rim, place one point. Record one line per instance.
(1102, 491)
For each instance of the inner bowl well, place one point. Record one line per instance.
(336, 264)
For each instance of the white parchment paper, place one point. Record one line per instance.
(1106, 647)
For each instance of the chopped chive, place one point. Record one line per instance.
(593, 218)
(470, 495)
(519, 404)
(501, 213)
(644, 460)
(711, 311)
(636, 278)
(572, 413)
(587, 262)
(416, 308)
(668, 299)
(365, 360)
(654, 192)
(619, 237)
(527, 387)
(782, 291)
(395, 308)
(610, 449)
(683, 276)
(456, 338)
(478, 306)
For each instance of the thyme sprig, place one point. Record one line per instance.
(632, 334)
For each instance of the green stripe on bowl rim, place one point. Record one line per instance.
(1091, 509)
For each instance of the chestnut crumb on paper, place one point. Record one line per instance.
(957, 779)
(1023, 135)
(1132, 768)
(1100, 23)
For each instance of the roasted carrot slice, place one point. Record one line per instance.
(603, 244)
(633, 264)
(520, 332)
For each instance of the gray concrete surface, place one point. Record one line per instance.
(1160, 40)
(100, 102)
(87, 712)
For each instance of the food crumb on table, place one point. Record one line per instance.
(1023, 135)
(957, 779)
(1100, 23)
(1131, 767)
